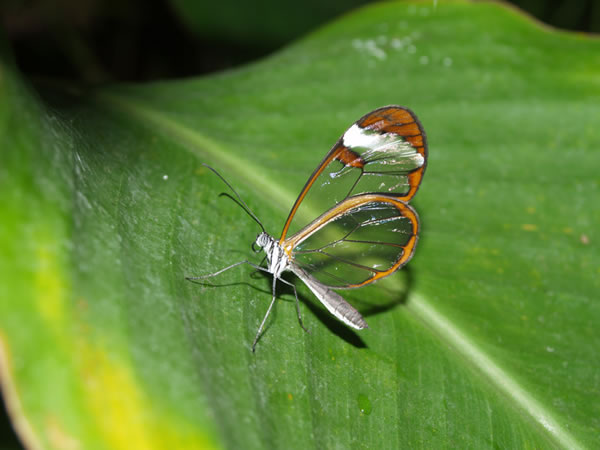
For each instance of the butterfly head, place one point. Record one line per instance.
(263, 241)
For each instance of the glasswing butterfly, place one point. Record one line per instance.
(368, 229)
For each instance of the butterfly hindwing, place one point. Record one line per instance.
(360, 240)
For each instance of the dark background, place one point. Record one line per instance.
(100, 41)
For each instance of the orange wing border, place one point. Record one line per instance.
(353, 202)
(387, 119)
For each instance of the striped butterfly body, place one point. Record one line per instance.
(366, 229)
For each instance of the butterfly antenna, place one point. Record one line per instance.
(242, 202)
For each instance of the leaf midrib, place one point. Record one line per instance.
(449, 333)
(501, 379)
(201, 146)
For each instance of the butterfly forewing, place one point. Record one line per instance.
(362, 239)
(383, 152)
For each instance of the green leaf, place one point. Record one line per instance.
(267, 22)
(487, 339)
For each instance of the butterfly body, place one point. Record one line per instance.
(278, 262)
(367, 229)
(277, 259)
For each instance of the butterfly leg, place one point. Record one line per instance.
(262, 324)
(201, 277)
(297, 303)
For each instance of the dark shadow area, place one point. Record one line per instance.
(97, 41)
(577, 15)
(401, 299)
(8, 437)
(335, 326)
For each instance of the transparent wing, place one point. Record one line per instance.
(360, 240)
(384, 152)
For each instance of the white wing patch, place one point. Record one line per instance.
(374, 143)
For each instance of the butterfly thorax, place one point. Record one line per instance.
(276, 258)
